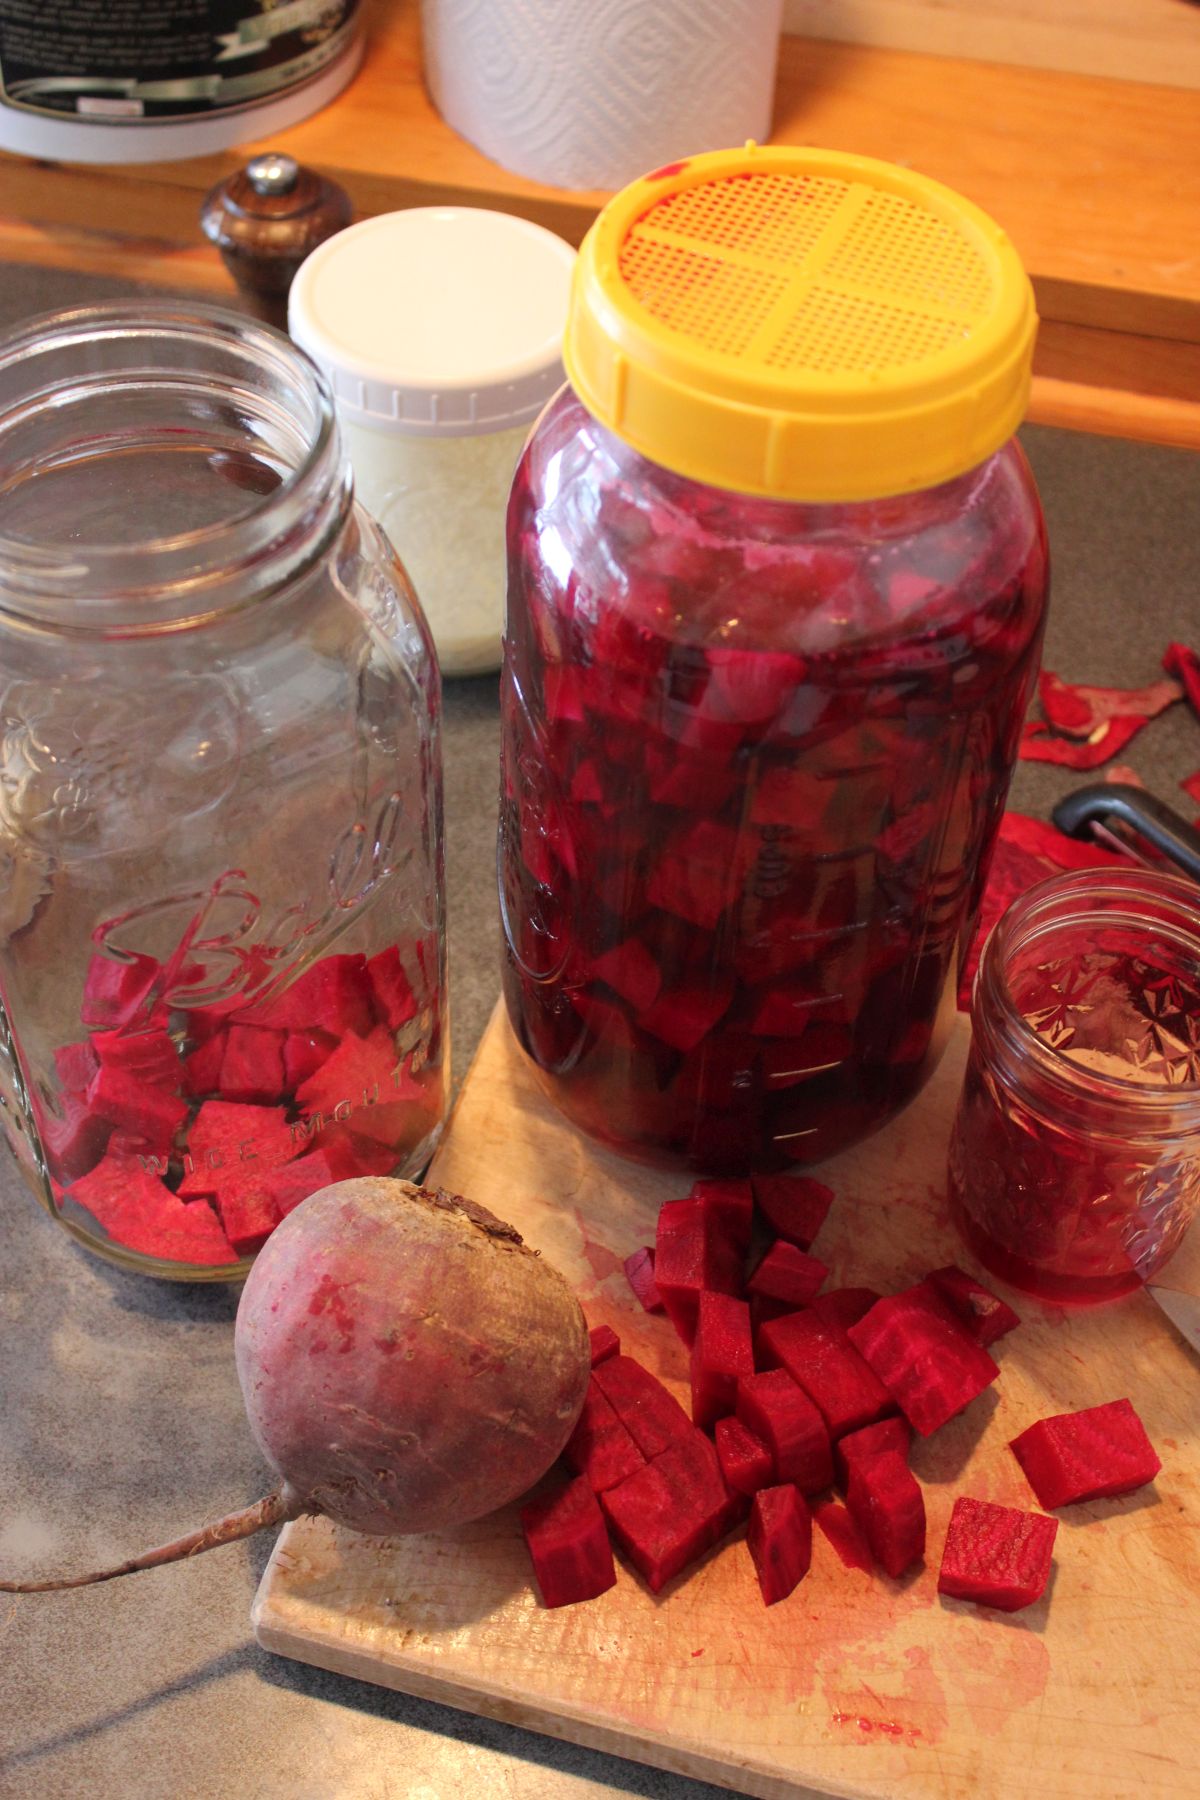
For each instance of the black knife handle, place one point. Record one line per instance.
(1105, 801)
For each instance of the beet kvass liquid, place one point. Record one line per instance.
(1075, 1156)
(777, 577)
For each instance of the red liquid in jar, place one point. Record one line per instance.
(752, 772)
(1078, 1203)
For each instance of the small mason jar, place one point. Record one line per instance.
(221, 922)
(777, 584)
(1075, 1154)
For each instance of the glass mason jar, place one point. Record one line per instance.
(776, 596)
(221, 944)
(1075, 1155)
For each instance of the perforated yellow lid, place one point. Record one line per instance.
(801, 323)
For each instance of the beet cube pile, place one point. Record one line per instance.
(186, 1133)
(789, 1405)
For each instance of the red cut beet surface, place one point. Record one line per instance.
(137, 1107)
(984, 1314)
(1181, 661)
(568, 1545)
(794, 1206)
(928, 1362)
(996, 1555)
(1086, 1455)
(252, 1065)
(731, 1204)
(885, 1498)
(639, 1273)
(226, 1140)
(779, 1536)
(139, 1212)
(672, 1510)
(746, 1462)
(722, 1354)
(649, 1412)
(886, 1437)
(604, 1342)
(1079, 710)
(600, 1447)
(116, 993)
(787, 1274)
(838, 1380)
(777, 1410)
(844, 1307)
(333, 995)
(691, 1256)
(843, 1531)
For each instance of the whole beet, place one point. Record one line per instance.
(407, 1364)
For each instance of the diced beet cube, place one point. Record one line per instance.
(822, 1359)
(600, 1447)
(1086, 1455)
(252, 1065)
(202, 1067)
(779, 1536)
(604, 1342)
(75, 1065)
(631, 971)
(359, 1072)
(844, 1307)
(568, 1544)
(352, 1155)
(722, 1354)
(683, 1016)
(985, 1315)
(787, 1274)
(996, 1555)
(74, 1138)
(140, 1212)
(639, 1272)
(885, 1498)
(794, 1206)
(304, 1052)
(731, 1204)
(146, 1055)
(248, 1212)
(334, 995)
(746, 1462)
(692, 1255)
(116, 993)
(777, 1410)
(649, 1412)
(928, 1362)
(151, 1113)
(885, 1437)
(392, 993)
(844, 1533)
(292, 1182)
(227, 1139)
(672, 1510)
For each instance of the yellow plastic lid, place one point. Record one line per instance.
(801, 324)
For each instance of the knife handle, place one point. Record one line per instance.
(1157, 824)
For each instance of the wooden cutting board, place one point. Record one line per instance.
(855, 1685)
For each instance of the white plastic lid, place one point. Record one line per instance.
(441, 320)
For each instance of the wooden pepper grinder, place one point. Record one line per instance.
(265, 220)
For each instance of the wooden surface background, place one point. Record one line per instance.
(855, 1685)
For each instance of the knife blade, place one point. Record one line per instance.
(1182, 1309)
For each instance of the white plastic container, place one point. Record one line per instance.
(440, 330)
(111, 83)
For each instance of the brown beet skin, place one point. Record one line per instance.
(406, 1362)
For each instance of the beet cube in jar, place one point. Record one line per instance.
(777, 582)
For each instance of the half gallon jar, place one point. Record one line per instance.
(221, 934)
(777, 579)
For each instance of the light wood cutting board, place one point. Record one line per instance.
(855, 1685)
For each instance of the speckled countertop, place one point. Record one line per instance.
(122, 1423)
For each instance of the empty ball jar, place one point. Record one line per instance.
(1075, 1155)
(221, 934)
(777, 579)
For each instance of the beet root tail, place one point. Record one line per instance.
(273, 1509)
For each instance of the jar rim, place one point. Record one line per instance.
(1118, 892)
(171, 579)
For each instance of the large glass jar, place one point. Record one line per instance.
(776, 595)
(221, 924)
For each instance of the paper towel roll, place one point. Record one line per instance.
(592, 93)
